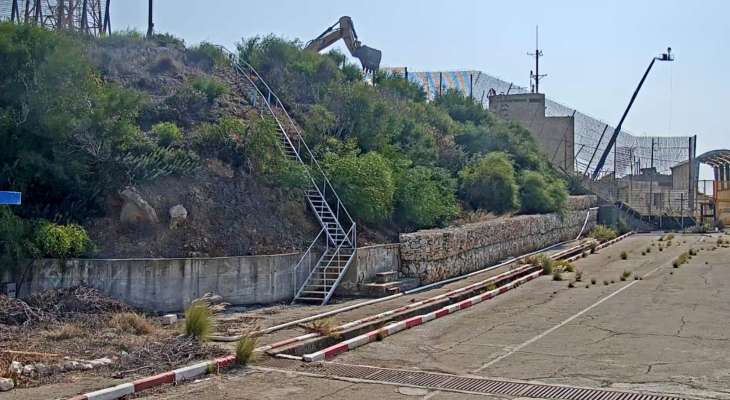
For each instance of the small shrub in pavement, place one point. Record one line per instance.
(198, 321)
(624, 255)
(571, 284)
(543, 261)
(244, 350)
(325, 327)
(593, 281)
(579, 276)
(564, 265)
(603, 233)
(605, 283)
(557, 276)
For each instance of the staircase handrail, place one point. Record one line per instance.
(237, 62)
(308, 252)
(337, 251)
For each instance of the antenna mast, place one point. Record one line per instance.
(535, 76)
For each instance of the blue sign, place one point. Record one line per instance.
(12, 198)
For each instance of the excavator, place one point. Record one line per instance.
(343, 29)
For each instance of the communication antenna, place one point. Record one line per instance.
(535, 75)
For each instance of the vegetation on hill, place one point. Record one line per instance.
(394, 155)
(81, 118)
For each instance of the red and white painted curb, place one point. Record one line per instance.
(485, 282)
(413, 321)
(175, 376)
(193, 371)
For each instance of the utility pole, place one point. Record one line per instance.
(664, 57)
(150, 24)
(536, 75)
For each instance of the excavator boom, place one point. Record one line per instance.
(344, 29)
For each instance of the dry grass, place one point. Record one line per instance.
(564, 265)
(134, 323)
(325, 327)
(66, 331)
(244, 350)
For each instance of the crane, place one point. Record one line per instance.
(345, 30)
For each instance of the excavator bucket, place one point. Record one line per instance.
(369, 57)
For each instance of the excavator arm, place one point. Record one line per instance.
(344, 29)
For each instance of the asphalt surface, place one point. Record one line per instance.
(667, 333)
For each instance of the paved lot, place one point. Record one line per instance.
(666, 333)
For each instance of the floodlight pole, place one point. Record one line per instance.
(664, 57)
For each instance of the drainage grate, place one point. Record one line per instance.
(456, 383)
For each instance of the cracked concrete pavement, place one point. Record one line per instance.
(666, 333)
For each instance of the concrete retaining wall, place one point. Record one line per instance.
(433, 255)
(170, 284)
(370, 260)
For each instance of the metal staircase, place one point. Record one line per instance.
(334, 247)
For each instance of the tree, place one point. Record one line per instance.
(365, 184)
(425, 197)
(489, 183)
(540, 194)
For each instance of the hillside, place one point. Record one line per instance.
(105, 136)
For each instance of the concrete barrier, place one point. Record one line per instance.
(168, 285)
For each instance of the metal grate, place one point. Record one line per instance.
(457, 383)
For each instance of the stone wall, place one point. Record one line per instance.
(433, 255)
(582, 202)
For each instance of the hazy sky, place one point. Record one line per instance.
(595, 52)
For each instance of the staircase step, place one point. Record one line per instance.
(310, 299)
(385, 277)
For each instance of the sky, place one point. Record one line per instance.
(594, 52)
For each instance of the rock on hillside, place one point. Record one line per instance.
(228, 211)
(225, 217)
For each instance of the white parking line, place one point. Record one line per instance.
(558, 326)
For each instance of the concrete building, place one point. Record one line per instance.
(555, 136)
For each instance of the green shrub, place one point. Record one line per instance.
(60, 123)
(211, 87)
(16, 239)
(144, 165)
(541, 260)
(164, 65)
(198, 321)
(168, 40)
(624, 255)
(603, 233)
(489, 183)
(167, 133)
(539, 194)
(557, 275)
(364, 183)
(425, 197)
(207, 55)
(61, 241)
(245, 350)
